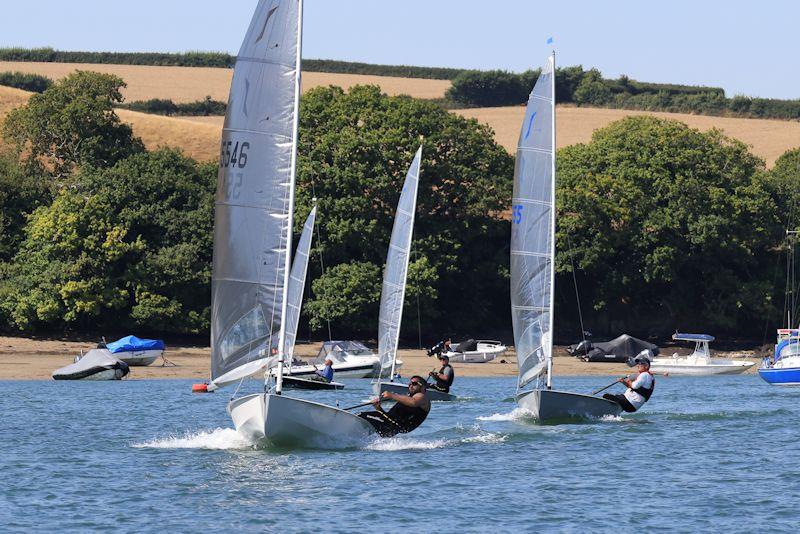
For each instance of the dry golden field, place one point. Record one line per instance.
(767, 138)
(188, 84)
(199, 136)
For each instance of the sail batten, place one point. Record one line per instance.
(532, 229)
(252, 216)
(396, 269)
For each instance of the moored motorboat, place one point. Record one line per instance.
(97, 364)
(783, 368)
(480, 351)
(532, 268)
(351, 359)
(699, 362)
(135, 351)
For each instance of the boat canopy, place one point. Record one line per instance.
(134, 344)
(692, 337)
(337, 350)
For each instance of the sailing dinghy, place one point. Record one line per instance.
(393, 291)
(252, 238)
(533, 222)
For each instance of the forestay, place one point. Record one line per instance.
(297, 283)
(252, 220)
(394, 274)
(532, 228)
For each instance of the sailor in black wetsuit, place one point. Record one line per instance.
(444, 377)
(409, 412)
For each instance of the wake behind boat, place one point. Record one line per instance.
(532, 269)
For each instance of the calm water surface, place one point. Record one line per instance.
(142, 456)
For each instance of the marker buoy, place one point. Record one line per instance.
(200, 388)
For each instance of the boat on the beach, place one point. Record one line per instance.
(783, 367)
(532, 269)
(253, 218)
(135, 351)
(699, 362)
(97, 364)
(351, 359)
(472, 351)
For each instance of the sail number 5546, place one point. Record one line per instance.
(233, 154)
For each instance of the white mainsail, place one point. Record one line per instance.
(255, 195)
(396, 269)
(297, 284)
(532, 231)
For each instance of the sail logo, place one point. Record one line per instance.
(516, 213)
(530, 124)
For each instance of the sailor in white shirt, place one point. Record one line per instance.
(639, 389)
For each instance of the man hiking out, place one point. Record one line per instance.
(444, 377)
(639, 389)
(409, 412)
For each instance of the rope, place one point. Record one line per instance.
(575, 283)
(319, 245)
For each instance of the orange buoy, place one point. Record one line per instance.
(200, 388)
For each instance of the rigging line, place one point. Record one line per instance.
(319, 245)
(419, 320)
(575, 283)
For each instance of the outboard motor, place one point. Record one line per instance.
(581, 349)
(436, 349)
(646, 353)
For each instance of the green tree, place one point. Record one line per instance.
(73, 123)
(124, 247)
(668, 227)
(491, 88)
(21, 192)
(354, 151)
(592, 91)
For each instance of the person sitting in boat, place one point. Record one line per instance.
(639, 389)
(327, 372)
(444, 377)
(409, 412)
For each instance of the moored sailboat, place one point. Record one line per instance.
(532, 267)
(252, 237)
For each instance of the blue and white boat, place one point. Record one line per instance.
(783, 367)
(135, 351)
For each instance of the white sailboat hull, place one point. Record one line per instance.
(402, 389)
(548, 405)
(706, 367)
(286, 421)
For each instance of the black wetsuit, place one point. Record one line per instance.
(444, 385)
(398, 420)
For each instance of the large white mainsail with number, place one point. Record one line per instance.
(396, 270)
(252, 237)
(533, 219)
(254, 201)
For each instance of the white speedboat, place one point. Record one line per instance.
(351, 359)
(699, 362)
(480, 351)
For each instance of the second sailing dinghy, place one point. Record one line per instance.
(532, 270)
(393, 291)
(252, 237)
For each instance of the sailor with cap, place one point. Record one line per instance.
(444, 377)
(640, 388)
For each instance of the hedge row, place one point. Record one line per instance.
(25, 81)
(162, 106)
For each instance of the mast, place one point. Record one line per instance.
(552, 222)
(290, 216)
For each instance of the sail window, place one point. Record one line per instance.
(249, 330)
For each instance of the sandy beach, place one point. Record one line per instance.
(35, 359)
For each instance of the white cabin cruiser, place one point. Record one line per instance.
(351, 359)
(480, 351)
(699, 362)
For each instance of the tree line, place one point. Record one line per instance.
(662, 226)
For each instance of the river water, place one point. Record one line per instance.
(711, 453)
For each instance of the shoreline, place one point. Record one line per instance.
(34, 359)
